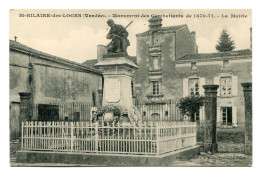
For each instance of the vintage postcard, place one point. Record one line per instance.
(130, 88)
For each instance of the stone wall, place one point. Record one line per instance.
(18, 75)
(185, 44)
(64, 85)
(51, 80)
(171, 45)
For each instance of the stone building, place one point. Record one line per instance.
(228, 70)
(157, 50)
(171, 68)
(56, 86)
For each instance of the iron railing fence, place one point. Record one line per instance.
(159, 111)
(150, 111)
(107, 138)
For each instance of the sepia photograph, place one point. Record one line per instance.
(130, 88)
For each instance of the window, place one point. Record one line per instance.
(225, 63)
(195, 117)
(193, 66)
(155, 117)
(144, 117)
(225, 86)
(193, 86)
(94, 98)
(166, 114)
(76, 116)
(226, 113)
(155, 87)
(132, 88)
(155, 63)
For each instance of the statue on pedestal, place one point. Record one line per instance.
(118, 35)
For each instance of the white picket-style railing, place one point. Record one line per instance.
(111, 138)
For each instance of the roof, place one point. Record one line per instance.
(204, 56)
(21, 47)
(90, 63)
(170, 28)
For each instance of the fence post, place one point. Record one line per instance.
(247, 88)
(72, 136)
(25, 109)
(22, 136)
(210, 129)
(96, 136)
(157, 137)
(195, 131)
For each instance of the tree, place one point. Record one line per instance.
(190, 105)
(225, 43)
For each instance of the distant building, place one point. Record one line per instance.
(171, 68)
(228, 70)
(51, 80)
(157, 50)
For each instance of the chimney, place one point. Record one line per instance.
(101, 51)
(193, 35)
(251, 38)
(155, 23)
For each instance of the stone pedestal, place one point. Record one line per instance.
(248, 117)
(25, 108)
(210, 136)
(117, 71)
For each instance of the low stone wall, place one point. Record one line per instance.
(95, 159)
(230, 140)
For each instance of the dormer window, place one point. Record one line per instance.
(193, 66)
(225, 63)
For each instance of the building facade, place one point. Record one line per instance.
(171, 68)
(157, 49)
(167, 71)
(228, 70)
(56, 85)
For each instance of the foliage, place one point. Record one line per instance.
(118, 110)
(190, 105)
(230, 135)
(225, 44)
(134, 115)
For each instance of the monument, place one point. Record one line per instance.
(118, 34)
(117, 67)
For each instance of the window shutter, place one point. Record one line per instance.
(201, 83)
(234, 116)
(234, 86)
(219, 118)
(202, 113)
(216, 81)
(185, 87)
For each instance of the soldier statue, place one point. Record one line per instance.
(119, 35)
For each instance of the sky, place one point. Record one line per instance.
(76, 38)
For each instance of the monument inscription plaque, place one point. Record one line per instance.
(112, 87)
